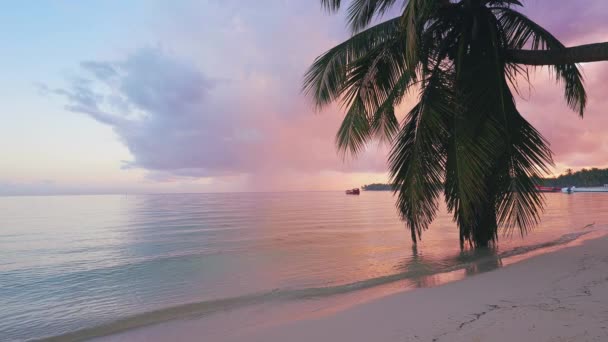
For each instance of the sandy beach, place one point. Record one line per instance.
(559, 296)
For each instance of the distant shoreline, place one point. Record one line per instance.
(593, 177)
(378, 187)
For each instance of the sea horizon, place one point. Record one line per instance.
(168, 193)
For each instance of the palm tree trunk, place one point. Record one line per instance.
(572, 55)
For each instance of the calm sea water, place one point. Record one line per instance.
(69, 263)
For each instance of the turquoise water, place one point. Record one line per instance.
(83, 266)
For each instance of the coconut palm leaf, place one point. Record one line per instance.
(325, 79)
(371, 86)
(377, 109)
(374, 76)
(524, 32)
(503, 3)
(528, 157)
(418, 156)
(413, 20)
(361, 12)
(355, 130)
(331, 5)
(384, 123)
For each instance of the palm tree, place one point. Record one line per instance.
(465, 137)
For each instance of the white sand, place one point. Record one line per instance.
(560, 296)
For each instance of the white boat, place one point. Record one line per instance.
(572, 189)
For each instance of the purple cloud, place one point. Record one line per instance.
(177, 121)
(233, 106)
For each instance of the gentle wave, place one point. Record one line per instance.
(199, 309)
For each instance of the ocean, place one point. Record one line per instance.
(77, 267)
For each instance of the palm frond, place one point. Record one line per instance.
(326, 79)
(355, 130)
(374, 89)
(418, 157)
(471, 155)
(522, 32)
(361, 12)
(331, 5)
(374, 75)
(503, 3)
(413, 20)
(384, 123)
(519, 205)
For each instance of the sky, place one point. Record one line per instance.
(205, 96)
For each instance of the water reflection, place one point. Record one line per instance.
(66, 262)
(479, 261)
(428, 272)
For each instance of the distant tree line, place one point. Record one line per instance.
(378, 187)
(582, 178)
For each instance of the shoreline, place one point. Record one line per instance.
(556, 294)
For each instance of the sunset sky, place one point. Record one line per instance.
(194, 96)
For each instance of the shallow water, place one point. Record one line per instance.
(69, 263)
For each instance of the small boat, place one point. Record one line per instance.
(548, 188)
(572, 189)
(353, 192)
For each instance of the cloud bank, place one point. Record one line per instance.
(232, 107)
(177, 121)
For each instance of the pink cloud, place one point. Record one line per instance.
(576, 142)
(246, 117)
